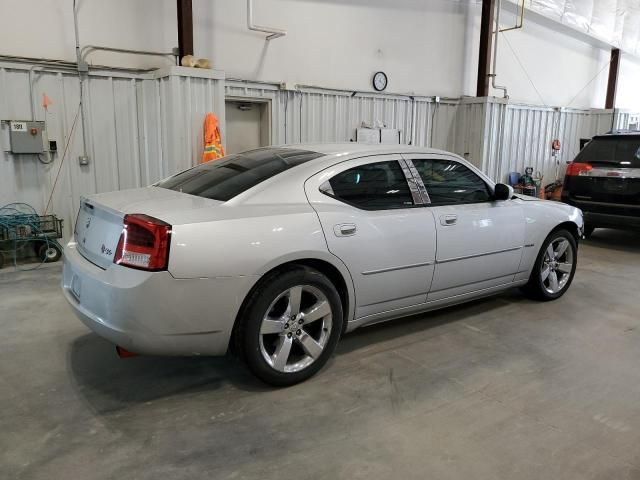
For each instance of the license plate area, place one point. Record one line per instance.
(615, 185)
(76, 287)
(97, 232)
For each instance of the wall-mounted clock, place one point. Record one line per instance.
(380, 81)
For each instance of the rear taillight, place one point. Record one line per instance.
(575, 169)
(144, 243)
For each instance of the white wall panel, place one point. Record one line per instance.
(500, 138)
(140, 128)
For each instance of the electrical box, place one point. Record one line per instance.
(26, 136)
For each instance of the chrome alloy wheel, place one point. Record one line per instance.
(296, 328)
(557, 265)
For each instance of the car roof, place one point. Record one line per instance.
(619, 133)
(352, 148)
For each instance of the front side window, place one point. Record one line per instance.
(449, 182)
(374, 186)
(226, 178)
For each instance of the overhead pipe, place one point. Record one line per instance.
(519, 21)
(87, 49)
(64, 66)
(82, 70)
(273, 32)
(493, 73)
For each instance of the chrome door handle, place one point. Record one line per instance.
(450, 219)
(344, 229)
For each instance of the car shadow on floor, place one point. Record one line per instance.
(620, 240)
(109, 383)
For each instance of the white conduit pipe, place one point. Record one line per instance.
(273, 32)
(495, 52)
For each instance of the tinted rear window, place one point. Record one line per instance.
(224, 179)
(615, 151)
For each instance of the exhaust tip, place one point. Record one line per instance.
(124, 353)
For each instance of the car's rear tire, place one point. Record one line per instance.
(555, 267)
(290, 325)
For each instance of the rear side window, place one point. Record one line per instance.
(614, 151)
(374, 186)
(450, 183)
(224, 179)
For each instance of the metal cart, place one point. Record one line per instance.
(19, 230)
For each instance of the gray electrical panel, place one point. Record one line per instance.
(26, 136)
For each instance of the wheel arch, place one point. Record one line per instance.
(333, 268)
(570, 226)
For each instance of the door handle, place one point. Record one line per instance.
(449, 219)
(344, 229)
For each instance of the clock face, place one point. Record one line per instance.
(380, 81)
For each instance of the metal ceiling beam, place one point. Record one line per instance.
(185, 28)
(612, 84)
(484, 53)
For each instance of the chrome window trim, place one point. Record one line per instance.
(413, 182)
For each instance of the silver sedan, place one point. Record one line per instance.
(277, 252)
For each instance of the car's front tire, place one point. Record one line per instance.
(290, 325)
(555, 267)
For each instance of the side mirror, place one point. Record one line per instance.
(502, 192)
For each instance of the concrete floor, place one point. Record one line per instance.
(502, 388)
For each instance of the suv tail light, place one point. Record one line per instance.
(144, 243)
(575, 169)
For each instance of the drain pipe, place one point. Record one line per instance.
(273, 32)
(83, 68)
(493, 74)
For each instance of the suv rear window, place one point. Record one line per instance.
(224, 179)
(614, 151)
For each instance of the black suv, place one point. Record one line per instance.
(604, 182)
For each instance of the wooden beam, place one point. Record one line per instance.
(484, 53)
(185, 28)
(612, 85)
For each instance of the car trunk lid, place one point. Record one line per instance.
(100, 219)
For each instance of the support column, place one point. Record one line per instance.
(612, 85)
(484, 53)
(185, 28)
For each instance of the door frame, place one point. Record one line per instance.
(481, 285)
(268, 116)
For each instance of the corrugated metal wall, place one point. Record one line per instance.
(499, 137)
(143, 127)
(139, 128)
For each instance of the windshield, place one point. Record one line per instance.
(226, 178)
(614, 151)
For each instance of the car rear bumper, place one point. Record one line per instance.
(153, 312)
(608, 220)
(607, 215)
